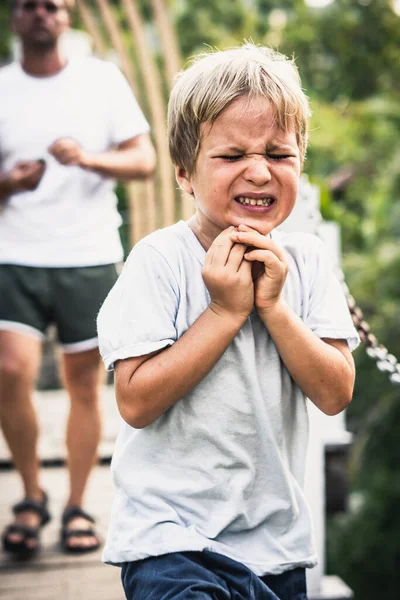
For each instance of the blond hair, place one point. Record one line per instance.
(215, 79)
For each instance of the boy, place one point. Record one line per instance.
(218, 330)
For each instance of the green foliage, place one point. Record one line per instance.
(205, 23)
(350, 48)
(5, 33)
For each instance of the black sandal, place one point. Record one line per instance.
(70, 513)
(28, 533)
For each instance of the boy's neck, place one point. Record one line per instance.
(205, 236)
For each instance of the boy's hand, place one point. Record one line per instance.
(269, 266)
(228, 277)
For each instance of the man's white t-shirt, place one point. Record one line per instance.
(71, 218)
(222, 469)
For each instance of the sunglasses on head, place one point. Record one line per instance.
(32, 5)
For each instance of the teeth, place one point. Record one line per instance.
(254, 202)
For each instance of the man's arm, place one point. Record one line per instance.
(323, 369)
(132, 159)
(147, 386)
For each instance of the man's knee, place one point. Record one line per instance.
(16, 369)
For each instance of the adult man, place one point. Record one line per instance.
(68, 128)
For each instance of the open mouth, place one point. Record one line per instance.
(267, 201)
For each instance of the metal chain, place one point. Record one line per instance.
(385, 361)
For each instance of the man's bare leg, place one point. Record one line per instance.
(83, 376)
(19, 364)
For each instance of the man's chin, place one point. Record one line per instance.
(42, 42)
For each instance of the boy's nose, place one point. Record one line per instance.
(257, 170)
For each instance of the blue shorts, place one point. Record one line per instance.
(206, 576)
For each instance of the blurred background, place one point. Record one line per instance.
(348, 54)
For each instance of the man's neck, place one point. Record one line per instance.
(43, 64)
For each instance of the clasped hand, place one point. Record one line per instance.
(242, 269)
(68, 152)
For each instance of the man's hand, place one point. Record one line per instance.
(24, 176)
(228, 277)
(269, 266)
(68, 152)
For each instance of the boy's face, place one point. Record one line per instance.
(247, 170)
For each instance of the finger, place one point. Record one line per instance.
(246, 267)
(53, 147)
(35, 173)
(268, 258)
(236, 255)
(243, 227)
(219, 250)
(56, 149)
(257, 240)
(25, 164)
(32, 170)
(33, 178)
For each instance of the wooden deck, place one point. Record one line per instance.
(53, 575)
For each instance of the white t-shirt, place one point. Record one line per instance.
(71, 218)
(222, 469)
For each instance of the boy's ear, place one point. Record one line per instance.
(183, 180)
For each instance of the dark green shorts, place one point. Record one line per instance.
(31, 298)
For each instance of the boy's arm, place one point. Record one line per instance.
(147, 386)
(322, 368)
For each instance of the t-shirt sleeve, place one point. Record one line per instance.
(126, 117)
(138, 315)
(328, 315)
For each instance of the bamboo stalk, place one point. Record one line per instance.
(168, 39)
(172, 61)
(90, 24)
(127, 65)
(141, 195)
(143, 214)
(154, 94)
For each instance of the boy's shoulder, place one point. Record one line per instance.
(170, 242)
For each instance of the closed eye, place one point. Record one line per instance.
(279, 156)
(231, 158)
